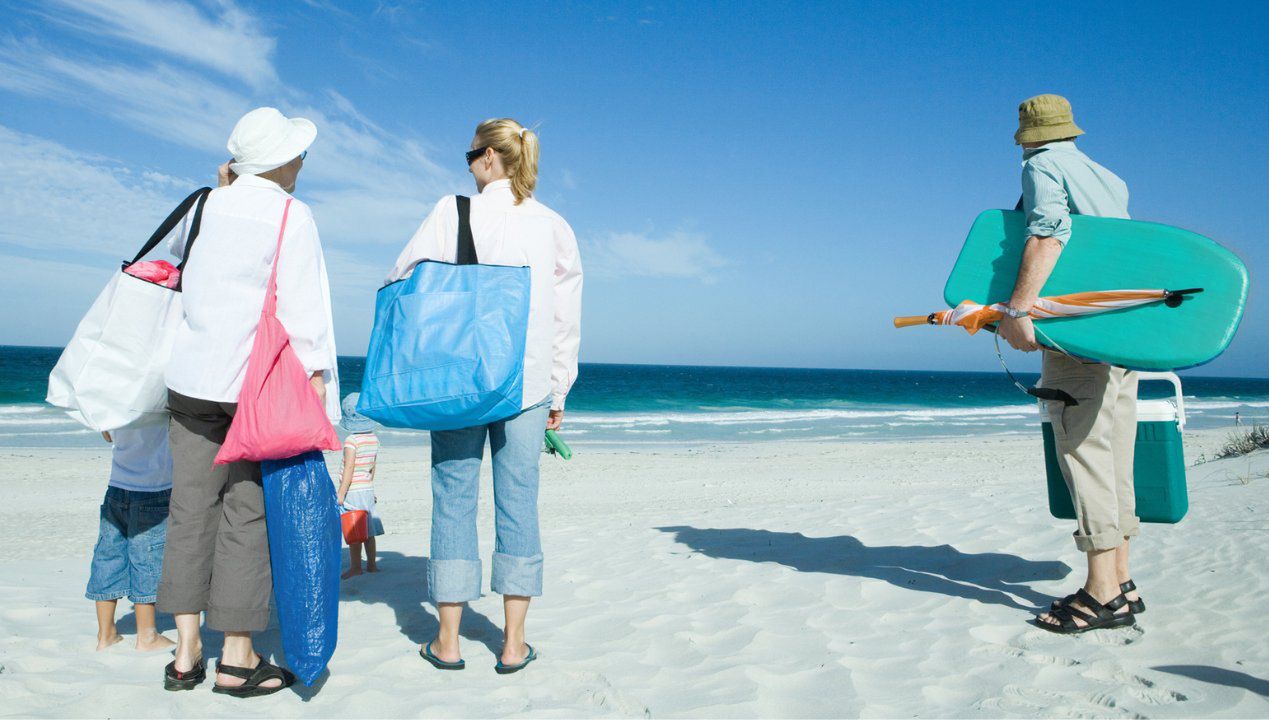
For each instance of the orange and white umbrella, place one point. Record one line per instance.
(974, 316)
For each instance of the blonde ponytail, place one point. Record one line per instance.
(517, 146)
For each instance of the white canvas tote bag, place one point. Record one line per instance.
(111, 373)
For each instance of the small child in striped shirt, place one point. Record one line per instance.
(356, 487)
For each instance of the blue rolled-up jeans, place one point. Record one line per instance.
(454, 572)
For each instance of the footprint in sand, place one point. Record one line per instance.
(1009, 642)
(1034, 658)
(1019, 699)
(595, 689)
(1144, 690)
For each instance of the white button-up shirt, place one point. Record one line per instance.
(224, 285)
(526, 234)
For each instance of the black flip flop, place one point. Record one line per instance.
(254, 679)
(508, 669)
(174, 679)
(1104, 616)
(425, 652)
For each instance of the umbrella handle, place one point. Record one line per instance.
(912, 321)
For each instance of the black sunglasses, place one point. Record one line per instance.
(474, 155)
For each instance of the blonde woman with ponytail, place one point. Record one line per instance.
(510, 227)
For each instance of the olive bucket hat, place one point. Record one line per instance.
(1045, 118)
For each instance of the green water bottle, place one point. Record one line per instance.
(556, 446)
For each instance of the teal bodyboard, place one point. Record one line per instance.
(1115, 254)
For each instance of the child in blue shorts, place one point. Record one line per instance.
(128, 558)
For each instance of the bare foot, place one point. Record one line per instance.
(514, 655)
(105, 641)
(352, 572)
(154, 642)
(224, 680)
(449, 652)
(372, 568)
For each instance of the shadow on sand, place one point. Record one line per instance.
(401, 584)
(1219, 676)
(986, 577)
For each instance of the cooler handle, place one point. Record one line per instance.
(1176, 383)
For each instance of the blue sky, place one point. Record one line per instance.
(751, 184)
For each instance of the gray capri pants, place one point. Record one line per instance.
(217, 555)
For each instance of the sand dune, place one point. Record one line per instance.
(792, 580)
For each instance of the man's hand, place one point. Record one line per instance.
(555, 419)
(225, 176)
(1019, 333)
(1038, 258)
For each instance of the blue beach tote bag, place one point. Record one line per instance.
(447, 348)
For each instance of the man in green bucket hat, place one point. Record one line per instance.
(1095, 435)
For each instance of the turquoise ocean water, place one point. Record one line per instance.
(654, 404)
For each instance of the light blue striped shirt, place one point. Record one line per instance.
(1058, 180)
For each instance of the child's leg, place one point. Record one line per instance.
(370, 555)
(107, 634)
(108, 576)
(147, 539)
(148, 637)
(354, 561)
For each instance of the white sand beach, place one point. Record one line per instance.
(751, 580)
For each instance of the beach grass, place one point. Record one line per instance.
(1244, 441)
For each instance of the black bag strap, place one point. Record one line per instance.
(195, 225)
(173, 219)
(466, 243)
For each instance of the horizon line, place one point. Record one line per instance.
(768, 367)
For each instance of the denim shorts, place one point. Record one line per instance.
(128, 559)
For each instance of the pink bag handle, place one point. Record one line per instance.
(271, 295)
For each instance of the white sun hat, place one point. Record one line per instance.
(265, 139)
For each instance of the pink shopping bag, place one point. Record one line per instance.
(279, 413)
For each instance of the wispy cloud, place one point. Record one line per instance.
(678, 254)
(63, 204)
(366, 182)
(222, 37)
(174, 104)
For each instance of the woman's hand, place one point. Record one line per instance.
(319, 386)
(339, 499)
(225, 176)
(554, 420)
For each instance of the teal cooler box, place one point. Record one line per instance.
(1159, 465)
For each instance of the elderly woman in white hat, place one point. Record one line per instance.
(217, 555)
